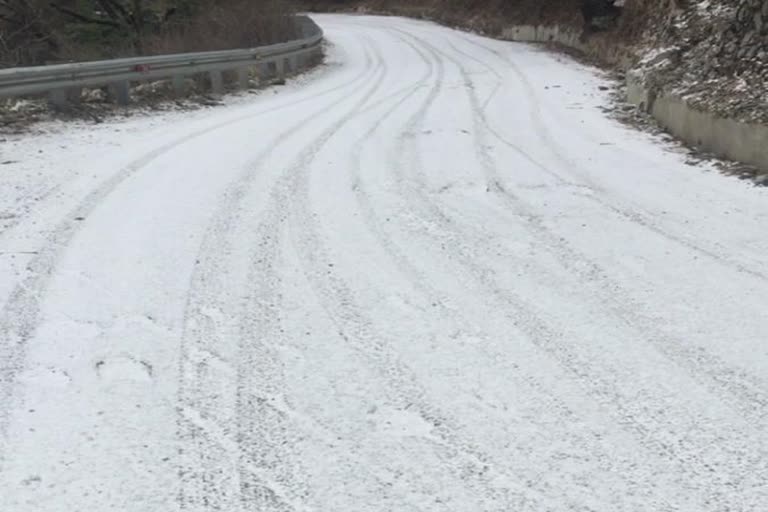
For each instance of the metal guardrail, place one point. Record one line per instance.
(60, 81)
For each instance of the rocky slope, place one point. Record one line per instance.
(714, 53)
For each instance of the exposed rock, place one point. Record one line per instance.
(723, 56)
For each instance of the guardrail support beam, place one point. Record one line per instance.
(121, 91)
(64, 97)
(58, 98)
(217, 82)
(243, 76)
(263, 71)
(75, 95)
(179, 86)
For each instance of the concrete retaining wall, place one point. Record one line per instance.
(727, 138)
(543, 34)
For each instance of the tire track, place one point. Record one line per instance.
(638, 419)
(632, 215)
(262, 315)
(20, 316)
(513, 307)
(460, 454)
(358, 334)
(454, 316)
(728, 383)
(211, 476)
(603, 388)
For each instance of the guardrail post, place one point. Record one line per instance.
(121, 92)
(263, 71)
(63, 97)
(280, 68)
(74, 95)
(217, 82)
(179, 86)
(243, 75)
(58, 98)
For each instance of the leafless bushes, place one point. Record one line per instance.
(227, 24)
(485, 15)
(34, 32)
(25, 35)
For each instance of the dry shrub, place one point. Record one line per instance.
(39, 34)
(26, 34)
(485, 15)
(228, 24)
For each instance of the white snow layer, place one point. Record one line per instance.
(430, 276)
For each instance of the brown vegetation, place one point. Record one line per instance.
(483, 15)
(34, 32)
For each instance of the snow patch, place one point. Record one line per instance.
(124, 368)
(399, 422)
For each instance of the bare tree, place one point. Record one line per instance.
(26, 33)
(41, 31)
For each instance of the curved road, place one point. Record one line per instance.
(431, 276)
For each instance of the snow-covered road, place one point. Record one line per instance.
(431, 276)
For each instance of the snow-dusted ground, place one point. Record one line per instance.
(430, 276)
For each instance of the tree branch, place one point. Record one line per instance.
(83, 18)
(115, 10)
